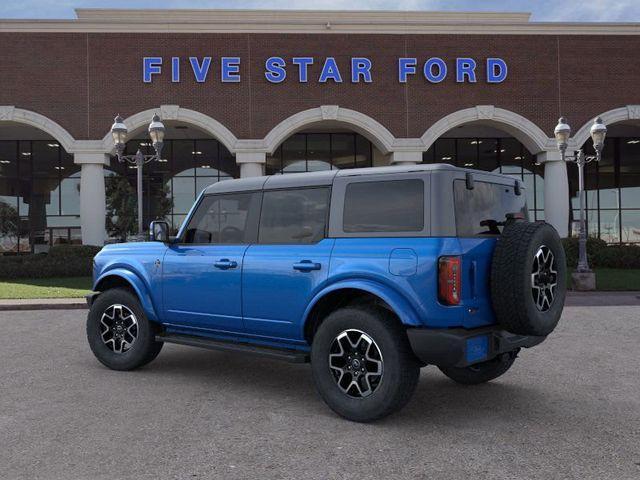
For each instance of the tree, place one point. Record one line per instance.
(9, 221)
(122, 207)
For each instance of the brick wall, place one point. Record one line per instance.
(82, 80)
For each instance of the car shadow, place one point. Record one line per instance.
(436, 399)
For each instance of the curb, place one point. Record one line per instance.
(42, 304)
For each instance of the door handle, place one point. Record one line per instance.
(225, 264)
(306, 266)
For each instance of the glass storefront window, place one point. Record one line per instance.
(186, 168)
(467, 152)
(307, 152)
(445, 151)
(294, 154)
(630, 225)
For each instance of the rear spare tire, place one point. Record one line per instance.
(528, 278)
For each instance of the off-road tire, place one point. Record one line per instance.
(400, 368)
(481, 372)
(142, 351)
(512, 294)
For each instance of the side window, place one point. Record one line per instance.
(294, 216)
(225, 219)
(385, 206)
(481, 210)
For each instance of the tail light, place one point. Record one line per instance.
(449, 280)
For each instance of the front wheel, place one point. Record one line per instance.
(481, 372)
(362, 363)
(119, 333)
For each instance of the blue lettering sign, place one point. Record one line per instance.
(303, 67)
(330, 71)
(200, 71)
(360, 67)
(434, 69)
(230, 70)
(428, 70)
(465, 67)
(496, 70)
(175, 69)
(406, 66)
(151, 66)
(275, 69)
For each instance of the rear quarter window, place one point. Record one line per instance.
(478, 211)
(384, 206)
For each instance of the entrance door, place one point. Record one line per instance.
(291, 259)
(202, 273)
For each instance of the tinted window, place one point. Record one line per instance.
(390, 206)
(294, 216)
(478, 210)
(227, 218)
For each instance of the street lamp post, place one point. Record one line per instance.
(562, 133)
(119, 133)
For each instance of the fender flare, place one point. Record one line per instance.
(398, 303)
(138, 286)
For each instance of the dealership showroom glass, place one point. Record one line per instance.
(247, 93)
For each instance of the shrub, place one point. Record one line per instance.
(599, 254)
(618, 256)
(571, 249)
(83, 251)
(61, 261)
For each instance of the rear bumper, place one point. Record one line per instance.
(458, 347)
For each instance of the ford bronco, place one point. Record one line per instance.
(369, 274)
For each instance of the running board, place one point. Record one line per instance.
(291, 356)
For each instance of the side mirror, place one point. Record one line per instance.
(159, 231)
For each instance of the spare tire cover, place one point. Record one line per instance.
(528, 278)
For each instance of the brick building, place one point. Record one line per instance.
(252, 92)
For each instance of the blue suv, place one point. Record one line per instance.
(369, 274)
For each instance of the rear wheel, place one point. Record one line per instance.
(481, 372)
(119, 333)
(362, 364)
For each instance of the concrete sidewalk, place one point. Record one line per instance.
(574, 299)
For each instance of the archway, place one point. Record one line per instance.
(331, 116)
(192, 159)
(39, 184)
(327, 137)
(479, 146)
(519, 127)
(138, 123)
(612, 185)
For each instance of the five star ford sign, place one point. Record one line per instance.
(361, 69)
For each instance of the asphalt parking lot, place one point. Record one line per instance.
(568, 409)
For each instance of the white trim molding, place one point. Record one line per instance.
(309, 21)
(363, 124)
(523, 129)
(629, 112)
(10, 113)
(179, 114)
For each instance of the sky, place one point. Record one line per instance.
(542, 10)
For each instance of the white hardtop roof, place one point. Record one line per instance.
(326, 177)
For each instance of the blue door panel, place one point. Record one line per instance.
(278, 283)
(202, 286)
